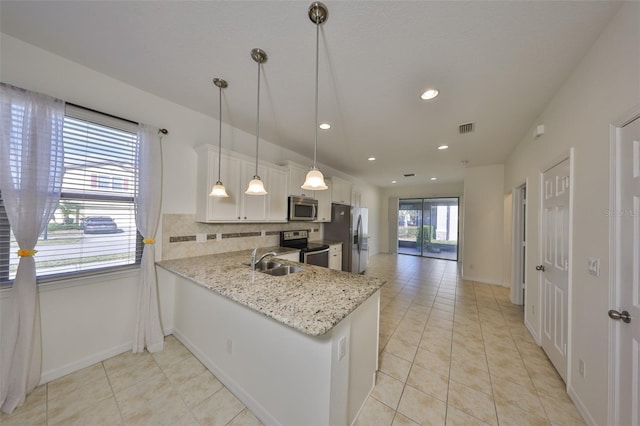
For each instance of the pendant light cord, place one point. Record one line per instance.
(220, 136)
(258, 121)
(315, 145)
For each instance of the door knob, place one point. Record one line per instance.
(624, 316)
(540, 268)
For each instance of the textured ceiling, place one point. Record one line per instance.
(496, 64)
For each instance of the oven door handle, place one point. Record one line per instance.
(318, 251)
(311, 253)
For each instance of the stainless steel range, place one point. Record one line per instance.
(311, 253)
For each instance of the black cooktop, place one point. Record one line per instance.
(300, 240)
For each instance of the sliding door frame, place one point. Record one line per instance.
(420, 244)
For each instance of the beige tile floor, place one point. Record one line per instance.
(451, 352)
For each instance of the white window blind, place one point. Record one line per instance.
(93, 228)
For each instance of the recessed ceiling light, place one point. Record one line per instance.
(371, 158)
(393, 181)
(325, 126)
(429, 94)
(434, 178)
(443, 147)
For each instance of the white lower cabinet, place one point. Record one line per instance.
(236, 171)
(335, 256)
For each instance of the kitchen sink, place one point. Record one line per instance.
(282, 270)
(265, 266)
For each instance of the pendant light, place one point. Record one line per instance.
(218, 189)
(318, 14)
(256, 186)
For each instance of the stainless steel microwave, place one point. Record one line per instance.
(303, 208)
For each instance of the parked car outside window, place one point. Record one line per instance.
(100, 225)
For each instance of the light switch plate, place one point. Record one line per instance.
(593, 266)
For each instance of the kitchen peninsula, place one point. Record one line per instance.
(296, 349)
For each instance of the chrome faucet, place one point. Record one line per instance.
(255, 261)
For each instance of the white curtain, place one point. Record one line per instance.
(31, 172)
(148, 331)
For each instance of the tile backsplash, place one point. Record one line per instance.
(179, 233)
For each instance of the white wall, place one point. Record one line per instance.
(71, 313)
(483, 224)
(507, 236)
(603, 87)
(423, 191)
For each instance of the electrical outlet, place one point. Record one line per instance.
(219, 236)
(533, 309)
(201, 238)
(263, 233)
(581, 368)
(229, 346)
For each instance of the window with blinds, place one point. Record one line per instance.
(93, 228)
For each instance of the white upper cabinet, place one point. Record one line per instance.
(324, 202)
(278, 179)
(297, 176)
(341, 193)
(253, 207)
(236, 172)
(213, 208)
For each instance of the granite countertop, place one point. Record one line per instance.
(312, 301)
(327, 242)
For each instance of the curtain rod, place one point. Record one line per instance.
(163, 131)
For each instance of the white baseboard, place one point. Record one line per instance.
(254, 406)
(582, 408)
(56, 373)
(72, 367)
(482, 280)
(533, 333)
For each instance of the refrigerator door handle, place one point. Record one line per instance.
(359, 234)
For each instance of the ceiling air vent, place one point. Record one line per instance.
(465, 128)
(409, 174)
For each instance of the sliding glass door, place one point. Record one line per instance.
(428, 227)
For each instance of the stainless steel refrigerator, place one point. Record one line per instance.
(350, 226)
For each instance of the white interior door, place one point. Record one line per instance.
(555, 264)
(627, 311)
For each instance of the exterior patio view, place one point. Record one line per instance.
(428, 227)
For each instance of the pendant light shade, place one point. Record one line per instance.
(314, 181)
(218, 189)
(256, 186)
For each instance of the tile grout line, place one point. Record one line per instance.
(113, 394)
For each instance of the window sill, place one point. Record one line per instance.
(59, 283)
